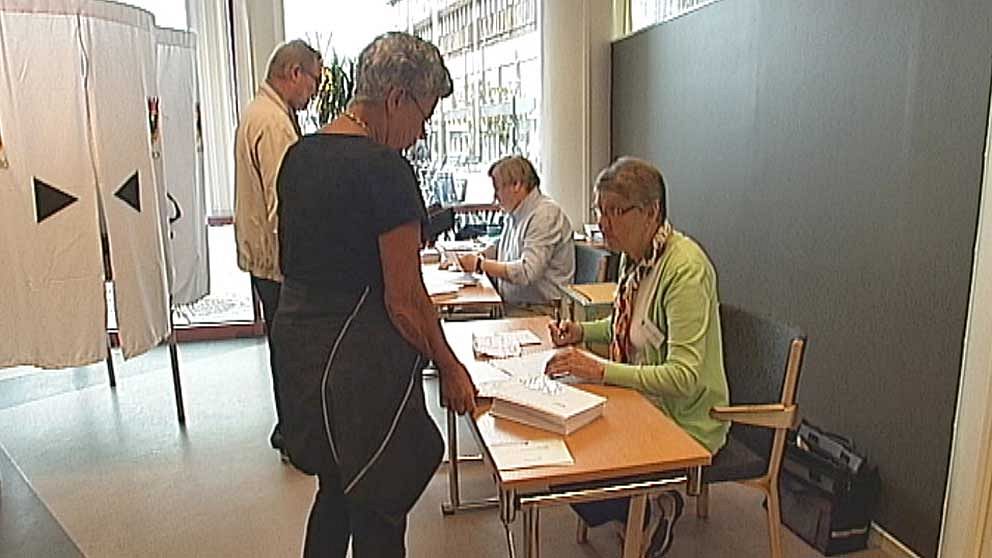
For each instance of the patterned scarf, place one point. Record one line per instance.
(630, 281)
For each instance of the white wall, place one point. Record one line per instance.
(968, 503)
(575, 108)
(265, 22)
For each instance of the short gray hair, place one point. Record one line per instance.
(636, 180)
(513, 169)
(403, 61)
(289, 54)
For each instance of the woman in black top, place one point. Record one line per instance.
(355, 323)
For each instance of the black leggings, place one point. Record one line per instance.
(334, 519)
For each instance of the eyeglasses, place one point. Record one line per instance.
(613, 213)
(423, 113)
(317, 78)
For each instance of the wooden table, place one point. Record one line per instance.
(482, 296)
(633, 450)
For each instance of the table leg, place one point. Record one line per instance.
(454, 503)
(454, 498)
(532, 532)
(632, 543)
(694, 484)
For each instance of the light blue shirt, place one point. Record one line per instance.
(536, 246)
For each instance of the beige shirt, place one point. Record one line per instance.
(265, 133)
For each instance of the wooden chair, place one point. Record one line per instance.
(762, 358)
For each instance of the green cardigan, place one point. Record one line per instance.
(685, 377)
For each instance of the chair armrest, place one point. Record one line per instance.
(774, 415)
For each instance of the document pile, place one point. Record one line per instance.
(547, 404)
(525, 394)
(448, 282)
(504, 344)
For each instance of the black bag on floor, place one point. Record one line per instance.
(828, 491)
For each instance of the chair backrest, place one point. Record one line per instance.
(594, 265)
(762, 358)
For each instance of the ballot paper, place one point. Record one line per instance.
(525, 366)
(496, 346)
(522, 454)
(436, 288)
(459, 245)
(486, 377)
(466, 279)
(504, 344)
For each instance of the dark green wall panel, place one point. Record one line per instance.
(828, 155)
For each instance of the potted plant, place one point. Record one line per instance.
(335, 90)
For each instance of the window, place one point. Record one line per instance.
(644, 13)
(492, 49)
(168, 13)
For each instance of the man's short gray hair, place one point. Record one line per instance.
(293, 53)
(513, 169)
(636, 180)
(402, 61)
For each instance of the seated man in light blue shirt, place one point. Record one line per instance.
(535, 255)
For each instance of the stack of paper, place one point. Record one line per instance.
(459, 245)
(544, 403)
(466, 279)
(503, 344)
(435, 288)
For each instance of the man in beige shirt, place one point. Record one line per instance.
(267, 129)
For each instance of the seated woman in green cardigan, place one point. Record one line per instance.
(664, 332)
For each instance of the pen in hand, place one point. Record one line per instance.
(557, 315)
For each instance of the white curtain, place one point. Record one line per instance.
(125, 130)
(78, 107)
(210, 19)
(181, 162)
(52, 305)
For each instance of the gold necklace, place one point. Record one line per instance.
(361, 123)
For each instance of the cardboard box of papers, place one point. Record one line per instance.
(547, 404)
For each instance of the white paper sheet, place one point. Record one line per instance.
(435, 288)
(486, 377)
(523, 336)
(523, 454)
(525, 366)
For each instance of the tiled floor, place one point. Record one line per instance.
(123, 479)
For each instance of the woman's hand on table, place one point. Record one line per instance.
(457, 390)
(565, 333)
(578, 363)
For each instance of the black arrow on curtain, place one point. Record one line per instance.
(129, 192)
(49, 200)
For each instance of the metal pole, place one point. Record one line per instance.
(532, 532)
(110, 364)
(174, 357)
(454, 498)
(694, 485)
